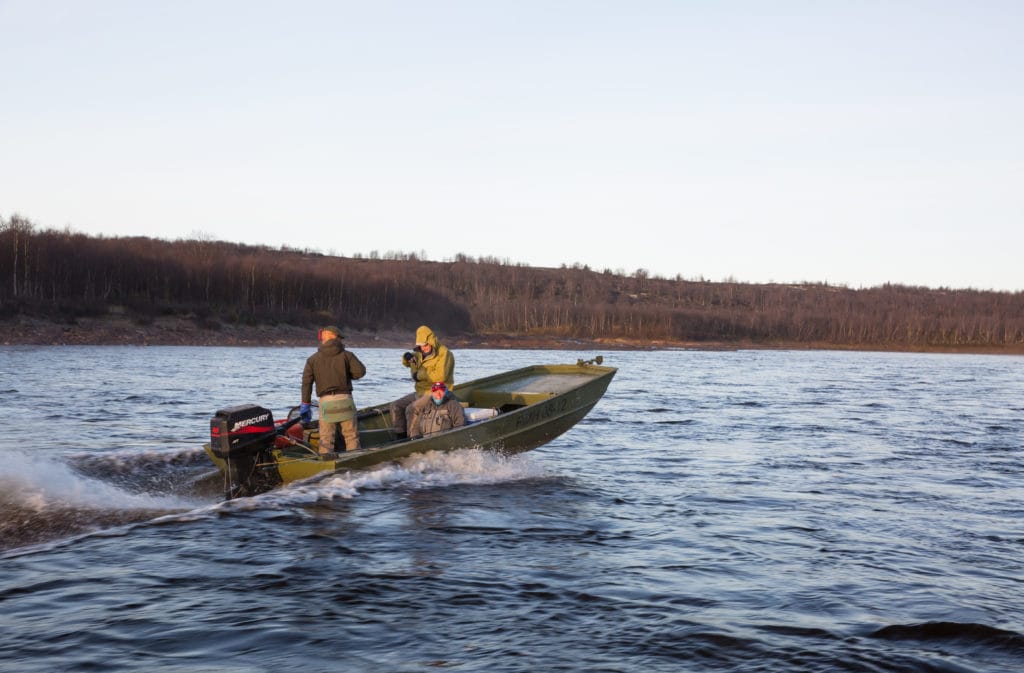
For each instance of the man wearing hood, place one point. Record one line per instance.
(429, 362)
(333, 369)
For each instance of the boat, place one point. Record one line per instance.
(509, 412)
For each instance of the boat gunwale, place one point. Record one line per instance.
(301, 466)
(607, 372)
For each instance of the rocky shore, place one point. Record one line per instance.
(185, 332)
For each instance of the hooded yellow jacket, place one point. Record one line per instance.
(438, 366)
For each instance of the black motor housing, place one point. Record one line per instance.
(243, 437)
(241, 430)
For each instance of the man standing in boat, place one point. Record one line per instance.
(429, 362)
(443, 412)
(333, 369)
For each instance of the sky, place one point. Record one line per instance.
(849, 142)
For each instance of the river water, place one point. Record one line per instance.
(767, 511)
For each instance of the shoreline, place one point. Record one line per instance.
(183, 332)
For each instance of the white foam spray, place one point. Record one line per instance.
(38, 482)
(431, 469)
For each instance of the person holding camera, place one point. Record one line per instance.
(429, 362)
(333, 369)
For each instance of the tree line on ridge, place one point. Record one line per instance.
(66, 275)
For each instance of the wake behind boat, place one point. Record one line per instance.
(510, 412)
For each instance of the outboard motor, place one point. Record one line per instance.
(243, 437)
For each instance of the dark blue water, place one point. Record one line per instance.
(717, 511)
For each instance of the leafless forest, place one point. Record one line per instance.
(62, 275)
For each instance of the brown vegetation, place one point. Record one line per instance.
(274, 296)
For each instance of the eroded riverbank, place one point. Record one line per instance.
(186, 332)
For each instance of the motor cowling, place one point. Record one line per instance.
(242, 430)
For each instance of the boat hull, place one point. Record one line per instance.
(535, 405)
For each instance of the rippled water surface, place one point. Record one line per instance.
(717, 511)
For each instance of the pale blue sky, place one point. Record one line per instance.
(855, 143)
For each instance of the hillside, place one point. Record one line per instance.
(64, 287)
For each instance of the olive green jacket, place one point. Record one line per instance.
(332, 368)
(426, 419)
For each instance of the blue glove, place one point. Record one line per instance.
(304, 413)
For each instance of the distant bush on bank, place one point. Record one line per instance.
(64, 275)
